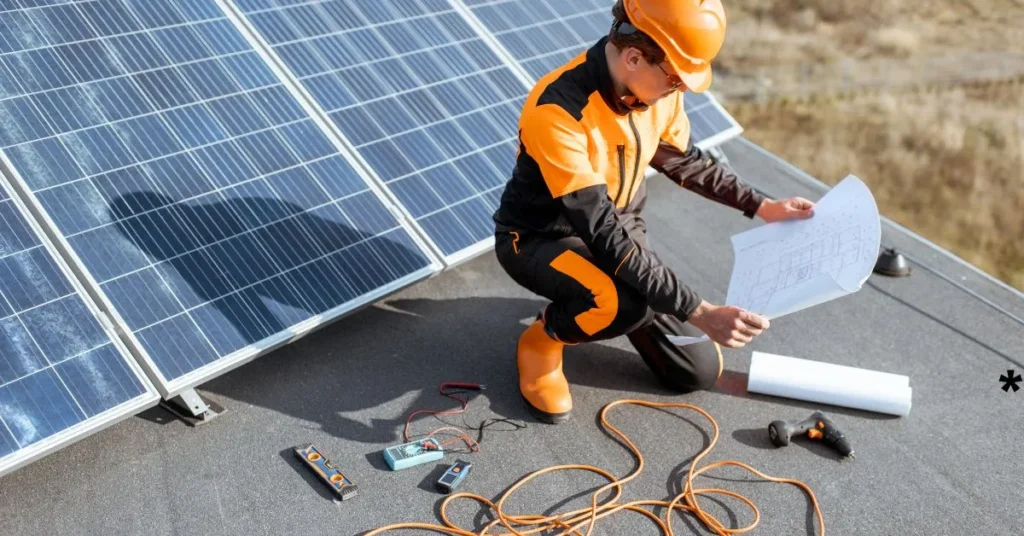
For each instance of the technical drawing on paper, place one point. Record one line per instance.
(781, 268)
(827, 255)
(784, 267)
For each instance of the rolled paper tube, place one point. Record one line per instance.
(827, 372)
(827, 383)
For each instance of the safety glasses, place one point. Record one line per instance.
(673, 80)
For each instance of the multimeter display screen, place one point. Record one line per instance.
(448, 479)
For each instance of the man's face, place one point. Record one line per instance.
(649, 81)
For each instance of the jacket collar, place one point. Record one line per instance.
(605, 86)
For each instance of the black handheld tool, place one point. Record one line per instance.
(454, 476)
(817, 426)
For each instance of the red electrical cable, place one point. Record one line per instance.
(473, 445)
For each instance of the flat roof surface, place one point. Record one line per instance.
(950, 467)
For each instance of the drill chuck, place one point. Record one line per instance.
(816, 427)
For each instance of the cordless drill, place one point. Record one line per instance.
(817, 426)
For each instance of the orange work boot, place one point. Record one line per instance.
(541, 382)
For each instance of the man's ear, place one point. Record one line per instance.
(632, 58)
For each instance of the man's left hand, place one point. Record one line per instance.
(794, 208)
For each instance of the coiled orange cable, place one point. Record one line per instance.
(573, 521)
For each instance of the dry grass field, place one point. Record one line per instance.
(947, 163)
(765, 33)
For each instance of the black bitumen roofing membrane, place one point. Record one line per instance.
(951, 467)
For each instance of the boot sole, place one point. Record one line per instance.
(543, 416)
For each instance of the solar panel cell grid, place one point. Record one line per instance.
(211, 210)
(424, 100)
(58, 367)
(543, 35)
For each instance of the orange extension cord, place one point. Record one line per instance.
(572, 522)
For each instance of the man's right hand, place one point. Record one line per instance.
(728, 325)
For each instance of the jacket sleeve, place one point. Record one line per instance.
(557, 142)
(698, 172)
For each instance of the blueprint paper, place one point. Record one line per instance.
(784, 267)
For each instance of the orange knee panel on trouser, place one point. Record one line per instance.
(541, 381)
(601, 286)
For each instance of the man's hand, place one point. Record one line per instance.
(794, 208)
(728, 325)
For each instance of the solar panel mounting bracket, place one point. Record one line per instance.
(191, 408)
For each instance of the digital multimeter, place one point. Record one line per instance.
(412, 454)
(453, 476)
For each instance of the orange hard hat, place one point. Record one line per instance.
(691, 32)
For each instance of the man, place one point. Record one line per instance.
(569, 227)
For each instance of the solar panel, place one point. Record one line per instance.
(421, 96)
(214, 217)
(62, 375)
(542, 35)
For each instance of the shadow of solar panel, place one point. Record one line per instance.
(62, 375)
(216, 217)
(543, 35)
(430, 108)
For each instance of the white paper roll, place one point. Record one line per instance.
(827, 383)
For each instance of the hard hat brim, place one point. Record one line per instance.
(697, 78)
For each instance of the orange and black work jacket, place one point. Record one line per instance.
(580, 172)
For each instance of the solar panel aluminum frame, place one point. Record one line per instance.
(309, 102)
(88, 426)
(169, 389)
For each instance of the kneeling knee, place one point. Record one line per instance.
(703, 375)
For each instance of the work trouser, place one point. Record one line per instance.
(588, 304)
